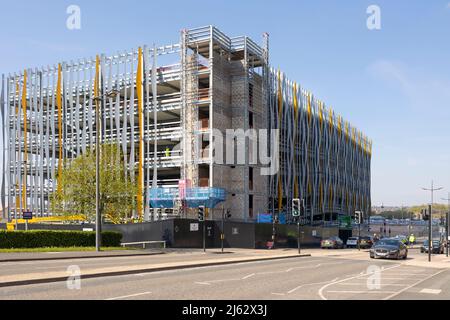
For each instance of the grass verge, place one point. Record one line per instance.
(71, 249)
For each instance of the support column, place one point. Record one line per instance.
(2, 110)
(155, 125)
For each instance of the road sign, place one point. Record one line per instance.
(27, 215)
(345, 223)
(194, 227)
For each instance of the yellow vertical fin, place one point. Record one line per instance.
(25, 139)
(280, 110)
(140, 94)
(60, 130)
(309, 107)
(296, 186)
(17, 186)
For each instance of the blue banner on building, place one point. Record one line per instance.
(265, 218)
(268, 218)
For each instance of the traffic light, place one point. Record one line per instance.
(201, 213)
(359, 217)
(424, 213)
(296, 207)
(228, 215)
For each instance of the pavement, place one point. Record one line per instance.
(37, 256)
(238, 275)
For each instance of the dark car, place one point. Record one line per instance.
(389, 249)
(437, 247)
(332, 243)
(366, 242)
(363, 242)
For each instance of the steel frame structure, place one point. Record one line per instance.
(48, 118)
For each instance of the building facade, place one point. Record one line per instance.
(170, 107)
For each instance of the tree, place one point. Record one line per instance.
(77, 192)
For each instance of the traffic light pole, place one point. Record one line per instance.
(446, 229)
(222, 235)
(359, 213)
(409, 225)
(430, 222)
(359, 235)
(273, 231)
(204, 238)
(298, 211)
(430, 226)
(201, 218)
(447, 225)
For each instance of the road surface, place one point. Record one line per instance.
(326, 277)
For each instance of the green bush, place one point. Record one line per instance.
(62, 239)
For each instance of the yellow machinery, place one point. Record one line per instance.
(11, 226)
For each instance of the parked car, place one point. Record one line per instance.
(352, 242)
(332, 243)
(389, 249)
(437, 247)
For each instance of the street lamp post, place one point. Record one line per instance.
(446, 223)
(98, 215)
(430, 225)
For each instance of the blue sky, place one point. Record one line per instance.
(392, 83)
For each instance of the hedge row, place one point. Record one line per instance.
(50, 239)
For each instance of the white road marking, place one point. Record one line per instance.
(362, 292)
(129, 296)
(408, 275)
(365, 284)
(297, 268)
(431, 291)
(310, 284)
(413, 285)
(397, 278)
(321, 290)
(265, 273)
(203, 283)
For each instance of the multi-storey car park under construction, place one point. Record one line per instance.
(158, 113)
